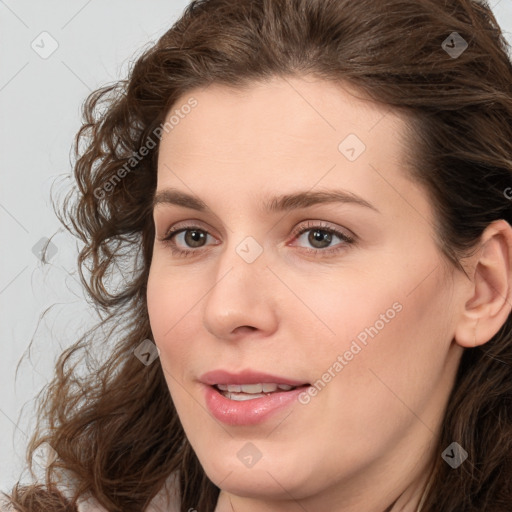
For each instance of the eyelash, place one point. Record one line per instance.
(347, 240)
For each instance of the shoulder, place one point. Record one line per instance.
(167, 500)
(158, 504)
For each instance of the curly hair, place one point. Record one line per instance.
(114, 427)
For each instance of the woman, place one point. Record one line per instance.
(313, 195)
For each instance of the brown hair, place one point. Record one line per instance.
(115, 428)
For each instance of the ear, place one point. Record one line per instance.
(489, 291)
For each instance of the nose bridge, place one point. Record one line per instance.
(241, 294)
(243, 261)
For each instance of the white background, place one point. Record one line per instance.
(40, 100)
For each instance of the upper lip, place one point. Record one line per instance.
(246, 377)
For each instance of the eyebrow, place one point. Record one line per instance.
(285, 202)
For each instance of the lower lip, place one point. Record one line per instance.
(248, 412)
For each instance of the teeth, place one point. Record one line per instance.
(251, 388)
(239, 397)
(250, 391)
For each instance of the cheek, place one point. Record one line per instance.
(174, 315)
(158, 302)
(342, 311)
(397, 324)
(163, 311)
(169, 301)
(399, 368)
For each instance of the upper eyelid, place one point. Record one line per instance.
(184, 225)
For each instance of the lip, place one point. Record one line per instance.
(247, 412)
(245, 377)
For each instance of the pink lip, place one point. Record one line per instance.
(246, 377)
(247, 412)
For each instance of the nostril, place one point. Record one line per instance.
(246, 327)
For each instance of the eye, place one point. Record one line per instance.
(321, 236)
(191, 236)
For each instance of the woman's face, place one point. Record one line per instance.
(309, 262)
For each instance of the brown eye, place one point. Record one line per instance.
(319, 238)
(186, 241)
(194, 237)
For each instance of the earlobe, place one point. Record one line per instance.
(490, 289)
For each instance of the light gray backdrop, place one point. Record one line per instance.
(52, 54)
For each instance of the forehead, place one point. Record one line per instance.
(282, 115)
(290, 119)
(283, 135)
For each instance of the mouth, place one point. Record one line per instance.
(249, 397)
(242, 392)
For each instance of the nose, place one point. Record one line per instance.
(241, 299)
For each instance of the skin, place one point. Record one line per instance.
(366, 441)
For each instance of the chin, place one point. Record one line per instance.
(265, 479)
(253, 484)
